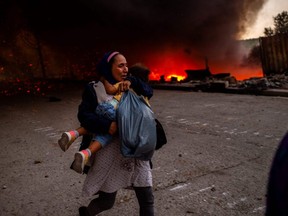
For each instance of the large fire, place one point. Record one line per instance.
(174, 64)
(170, 64)
(240, 74)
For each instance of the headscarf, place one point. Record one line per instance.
(104, 66)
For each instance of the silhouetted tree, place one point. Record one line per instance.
(280, 25)
(268, 32)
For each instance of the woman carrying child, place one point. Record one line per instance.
(109, 170)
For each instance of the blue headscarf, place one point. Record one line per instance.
(104, 66)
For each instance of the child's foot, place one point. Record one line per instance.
(67, 139)
(81, 159)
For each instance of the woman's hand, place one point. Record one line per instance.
(124, 85)
(113, 128)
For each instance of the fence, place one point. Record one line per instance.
(274, 54)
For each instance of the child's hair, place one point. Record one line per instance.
(140, 71)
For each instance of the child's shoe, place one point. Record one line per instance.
(80, 160)
(67, 139)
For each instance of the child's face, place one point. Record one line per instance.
(119, 68)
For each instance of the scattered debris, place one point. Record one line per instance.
(228, 84)
(37, 161)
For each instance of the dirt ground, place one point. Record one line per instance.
(216, 162)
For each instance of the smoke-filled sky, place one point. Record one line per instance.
(265, 18)
(168, 36)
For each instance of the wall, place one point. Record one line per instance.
(274, 54)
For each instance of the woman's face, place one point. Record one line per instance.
(119, 68)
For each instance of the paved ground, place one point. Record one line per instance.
(216, 162)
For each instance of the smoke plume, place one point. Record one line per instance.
(148, 31)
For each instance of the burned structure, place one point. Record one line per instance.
(204, 74)
(199, 74)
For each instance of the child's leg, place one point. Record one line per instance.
(94, 146)
(82, 157)
(69, 137)
(82, 131)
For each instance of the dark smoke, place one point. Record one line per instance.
(191, 21)
(139, 27)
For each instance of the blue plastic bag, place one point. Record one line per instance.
(137, 127)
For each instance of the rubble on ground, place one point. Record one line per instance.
(279, 81)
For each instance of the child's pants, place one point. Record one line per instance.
(105, 110)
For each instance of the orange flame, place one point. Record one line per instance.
(179, 77)
(174, 64)
(169, 64)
